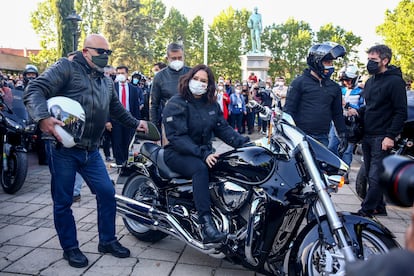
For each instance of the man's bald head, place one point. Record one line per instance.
(96, 41)
(94, 46)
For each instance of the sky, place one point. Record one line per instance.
(359, 16)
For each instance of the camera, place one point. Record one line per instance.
(397, 180)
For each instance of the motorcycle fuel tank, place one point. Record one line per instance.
(250, 165)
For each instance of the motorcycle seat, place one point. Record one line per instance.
(155, 153)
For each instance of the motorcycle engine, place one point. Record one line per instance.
(228, 196)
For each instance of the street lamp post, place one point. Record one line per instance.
(74, 19)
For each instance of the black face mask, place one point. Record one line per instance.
(373, 67)
(101, 60)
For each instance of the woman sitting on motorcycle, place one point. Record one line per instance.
(190, 119)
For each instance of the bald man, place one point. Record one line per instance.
(80, 79)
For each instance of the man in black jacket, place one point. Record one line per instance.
(385, 113)
(82, 80)
(314, 100)
(165, 83)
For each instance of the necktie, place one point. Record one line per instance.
(123, 99)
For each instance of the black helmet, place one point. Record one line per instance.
(323, 51)
(30, 68)
(139, 76)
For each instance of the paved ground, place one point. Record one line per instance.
(29, 245)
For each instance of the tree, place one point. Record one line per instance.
(172, 29)
(398, 33)
(153, 12)
(288, 44)
(43, 22)
(337, 34)
(121, 22)
(194, 42)
(224, 40)
(64, 28)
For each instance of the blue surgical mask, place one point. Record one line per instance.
(135, 81)
(327, 72)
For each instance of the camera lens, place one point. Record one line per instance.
(398, 180)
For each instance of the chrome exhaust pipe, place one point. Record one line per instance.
(156, 220)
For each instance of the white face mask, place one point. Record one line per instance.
(120, 78)
(238, 91)
(197, 87)
(220, 87)
(176, 64)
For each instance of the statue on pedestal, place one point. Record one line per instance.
(255, 25)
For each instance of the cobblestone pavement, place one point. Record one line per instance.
(29, 245)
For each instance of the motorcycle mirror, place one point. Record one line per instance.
(153, 134)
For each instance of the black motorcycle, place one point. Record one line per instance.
(271, 198)
(404, 145)
(14, 132)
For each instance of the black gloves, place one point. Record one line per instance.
(343, 143)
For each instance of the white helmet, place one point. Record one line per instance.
(349, 72)
(72, 114)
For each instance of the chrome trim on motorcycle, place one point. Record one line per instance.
(320, 187)
(248, 250)
(153, 218)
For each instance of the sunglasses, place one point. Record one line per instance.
(101, 50)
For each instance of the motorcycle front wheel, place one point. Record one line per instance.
(13, 178)
(141, 188)
(323, 259)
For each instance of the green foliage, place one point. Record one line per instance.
(194, 42)
(64, 27)
(337, 34)
(140, 31)
(224, 40)
(288, 44)
(398, 33)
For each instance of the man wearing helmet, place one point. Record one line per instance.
(29, 73)
(314, 100)
(81, 80)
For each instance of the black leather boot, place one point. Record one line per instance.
(209, 230)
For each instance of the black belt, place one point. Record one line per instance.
(88, 148)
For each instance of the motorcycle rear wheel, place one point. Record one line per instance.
(361, 183)
(321, 255)
(141, 188)
(13, 179)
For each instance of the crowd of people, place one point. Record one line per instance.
(190, 108)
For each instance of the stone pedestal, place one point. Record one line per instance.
(258, 63)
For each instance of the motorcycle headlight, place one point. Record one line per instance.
(13, 124)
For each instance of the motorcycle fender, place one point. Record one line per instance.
(353, 224)
(125, 174)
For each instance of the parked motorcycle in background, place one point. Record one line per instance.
(14, 131)
(404, 145)
(272, 198)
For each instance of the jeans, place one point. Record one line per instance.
(373, 156)
(333, 146)
(63, 165)
(78, 184)
(236, 121)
